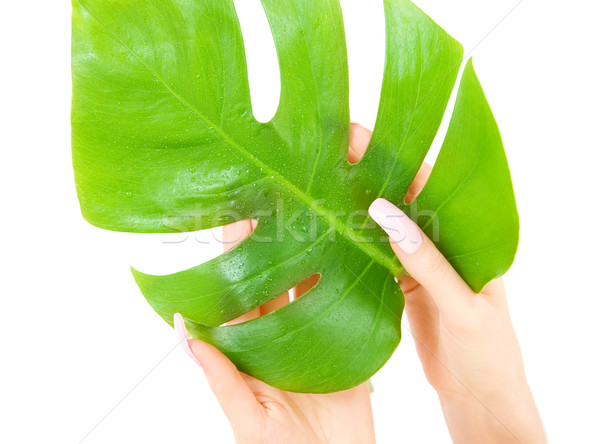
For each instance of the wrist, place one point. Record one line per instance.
(508, 414)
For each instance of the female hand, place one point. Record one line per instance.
(259, 413)
(466, 342)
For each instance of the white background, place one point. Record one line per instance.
(77, 336)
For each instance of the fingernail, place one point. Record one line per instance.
(182, 337)
(401, 229)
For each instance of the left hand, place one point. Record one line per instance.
(259, 413)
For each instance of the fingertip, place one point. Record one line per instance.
(399, 227)
(234, 233)
(419, 255)
(183, 337)
(359, 141)
(418, 182)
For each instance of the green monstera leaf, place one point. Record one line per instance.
(164, 140)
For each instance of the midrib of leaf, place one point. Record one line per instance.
(333, 221)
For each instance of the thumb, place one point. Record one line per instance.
(229, 386)
(420, 257)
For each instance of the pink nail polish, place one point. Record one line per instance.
(401, 229)
(182, 337)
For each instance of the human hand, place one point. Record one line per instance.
(465, 341)
(259, 413)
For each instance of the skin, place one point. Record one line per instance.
(465, 341)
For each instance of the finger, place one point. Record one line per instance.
(233, 393)
(360, 137)
(252, 314)
(359, 141)
(236, 232)
(418, 183)
(306, 285)
(275, 304)
(233, 234)
(421, 259)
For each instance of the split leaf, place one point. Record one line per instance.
(164, 140)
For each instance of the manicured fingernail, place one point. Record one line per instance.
(401, 229)
(182, 337)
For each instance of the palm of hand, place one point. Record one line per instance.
(306, 418)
